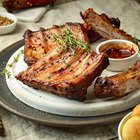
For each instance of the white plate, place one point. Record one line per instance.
(30, 14)
(62, 106)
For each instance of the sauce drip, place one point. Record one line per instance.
(118, 52)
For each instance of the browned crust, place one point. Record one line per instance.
(65, 83)
(39, 43)
(101, 25)
(93, 35)
(116, 85)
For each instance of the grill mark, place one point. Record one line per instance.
(67, 73)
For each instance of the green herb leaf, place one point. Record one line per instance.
(67, 39)
(66, 64)
(5, 70)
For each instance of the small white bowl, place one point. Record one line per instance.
(121, 124)
(119, 64)
(8, 28)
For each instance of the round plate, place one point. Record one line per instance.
(11, 103)
(54, 104)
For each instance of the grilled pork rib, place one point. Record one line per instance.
(62, 71)
(119, 84)
(39, 43)
(103, 26)
(93, 35)
(68, 75)
(14, 5)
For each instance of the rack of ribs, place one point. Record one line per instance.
(120, 84)
(14, 5)
(102, 25)
(38, 44)
(93, 35)
(61, 71)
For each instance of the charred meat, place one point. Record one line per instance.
(94, 35)
(68, 75)
(38, 44)
(102, 25)
(120, 84)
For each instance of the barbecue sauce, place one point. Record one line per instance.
(117, 52)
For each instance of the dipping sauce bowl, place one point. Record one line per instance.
(122, 53)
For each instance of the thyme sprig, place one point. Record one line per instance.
(137, 41)
(67, 39)
(5, 69)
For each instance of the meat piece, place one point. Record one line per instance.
(68, 69)
(68, 75)
(39, 43)
(119, 84)
(94, 36)
(14, 5)
(103, 26)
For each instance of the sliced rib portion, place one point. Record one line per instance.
(40, 43)
(93, 35)
(68, 75)
(103, 26)
(119, 84)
